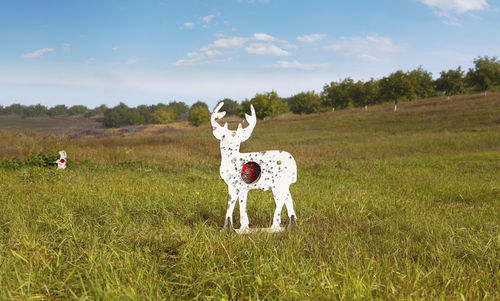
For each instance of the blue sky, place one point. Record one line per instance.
(145, 52)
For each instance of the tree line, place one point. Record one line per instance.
(336, 95)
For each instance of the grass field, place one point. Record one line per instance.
(390, 205)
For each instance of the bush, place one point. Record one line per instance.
(115, 117)
(57, 110)
(230, 106)
(77, 110)
(198, 114)
(12, 163)
(42, 160)
(33, 111)
(266, 105)
(306, 103)
(163, 115)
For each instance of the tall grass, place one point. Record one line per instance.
(390, 205)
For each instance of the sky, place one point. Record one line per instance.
(144, 52)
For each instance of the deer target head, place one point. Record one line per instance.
(227, 136)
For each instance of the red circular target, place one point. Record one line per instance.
(62, 160)
(250, 172)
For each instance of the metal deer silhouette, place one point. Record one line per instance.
(265, 170)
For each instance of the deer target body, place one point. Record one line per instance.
(267, 170)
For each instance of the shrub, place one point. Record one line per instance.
(266, 105)
(306, 103)
(42, 160)
(199, 114)
(11, 163)
(163, 115)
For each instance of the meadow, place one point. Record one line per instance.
(390, 205)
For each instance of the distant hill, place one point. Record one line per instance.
(78, 126)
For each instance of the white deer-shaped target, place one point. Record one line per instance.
(265, 170)
(61, 162)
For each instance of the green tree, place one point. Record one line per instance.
(100, 109)
(450, 82)
(179, 108)
(423, 84)
(163, 115)
(116, 116)
(145, 112)
(357, 94)
(15, 108)
(199, 104)
(364, 94)
(306, 103)
(57, 110)
(199, 114)
(230, 106)
(134, 116)
(372, 92)
(32, 111)
(396, 87)
(338, 95)
(96, 111)
(77, 110)
(267, 104)
(485, 74)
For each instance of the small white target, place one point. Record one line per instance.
(61, 163)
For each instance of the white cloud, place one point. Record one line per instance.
(115, 48)
(226, 43)
(66, 45)
(188, 25)
(266, 49)
(368, 48)
(445, 9)
(199, 62)
(89, 60)
(208, 19)
(263, 37)
(447, 18)
(206, 53)
(311, 38)
(458, 6)
(296, 65)
(37, 53)
(262, 45)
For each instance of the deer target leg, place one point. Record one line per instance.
(292, 217)
(279, 201)
(232, 197)
(243, 209)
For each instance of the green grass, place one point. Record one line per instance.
(401, 205)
